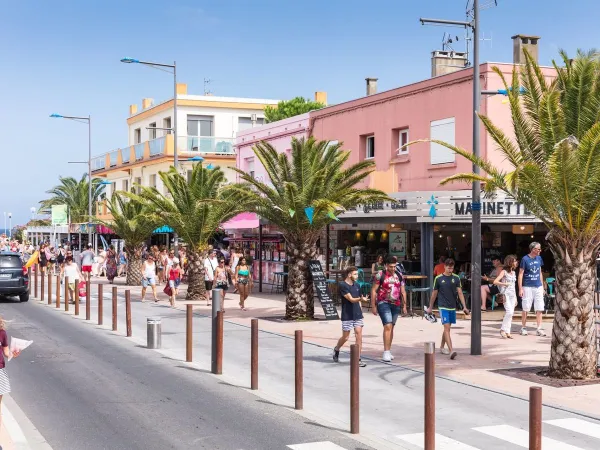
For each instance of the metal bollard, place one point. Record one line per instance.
(189, 312)
(114, 308)
(429, 396)
(219, 365)
(254, 355)
(354, 389)
(535, 418)
(58, 291)
(128, 312)
(299, 371)
(154, 332)
(29, 280)
(88, 303)
(216, 307)
(35, 280)
(49, 288)
(100, 304)
(76, 295)
(66, 293)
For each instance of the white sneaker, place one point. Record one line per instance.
(391, 356)
(387, 356)
(445, 351)
(541, 332)
(523, 331)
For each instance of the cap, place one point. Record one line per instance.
(90, 245)
(175, 260)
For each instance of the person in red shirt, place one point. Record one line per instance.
(440, 267)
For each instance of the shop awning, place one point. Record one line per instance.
(163, 229)
(241, 222)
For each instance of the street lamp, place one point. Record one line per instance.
(159, 66)
(10, 225)
(32, 210)
(87, 119)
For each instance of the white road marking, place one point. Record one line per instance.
(325, 445)
(577, 425)
(521, 437)
(441, 442)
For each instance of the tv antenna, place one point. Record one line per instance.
(207, 81)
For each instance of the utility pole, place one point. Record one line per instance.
(473, 24)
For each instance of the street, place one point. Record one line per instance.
(94, 380)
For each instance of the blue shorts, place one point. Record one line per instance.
(448, 316)
(388, 313)
(147, 281)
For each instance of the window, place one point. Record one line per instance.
(137, 135)
(125, 185)
(153, 180)
(442, 130)
(138, 180)
(245, 123)
(250, 167)
(402, 140)
(199, 125)
(152, 130)
(370, 147)
(167, 124)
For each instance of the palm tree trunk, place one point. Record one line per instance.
(573, 353)
(134, 267)
(195, 275)
(299, 297)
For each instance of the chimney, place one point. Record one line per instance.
(523, 42)
(443, 62)
(181, 89)
(321, 97)
(132, 110)
(371, 86)
(147, 103)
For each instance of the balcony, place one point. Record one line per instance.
(219, 148)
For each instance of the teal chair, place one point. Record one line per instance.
(365, 286)
(551, 295)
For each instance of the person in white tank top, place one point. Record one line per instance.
(506, 280)
(71, 270)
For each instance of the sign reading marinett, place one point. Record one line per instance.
(320, 286)
(492, 208)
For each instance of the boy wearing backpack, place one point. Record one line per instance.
(387, 295)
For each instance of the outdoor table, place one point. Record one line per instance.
(414, 283)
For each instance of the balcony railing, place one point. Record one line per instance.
(209, 144)
(125, 155)
(139, 150)
(113, 158)
(157, 146)
(99, 163)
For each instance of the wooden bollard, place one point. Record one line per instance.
(254, 355)
(354, 389)
(189, 314)
(100, 304)
(299, 372)
(128, 312)
(219, 368)
(535, 418)
(114, 308)
(49, 288)
(76, 295)
(67, 294)
(429, 396)
(29, 280)
(88, 303)
(58, 291)
(42, 285)
(35, 280)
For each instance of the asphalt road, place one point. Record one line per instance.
(87, 389)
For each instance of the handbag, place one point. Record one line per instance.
(167, 290)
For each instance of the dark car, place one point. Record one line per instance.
(13, 276)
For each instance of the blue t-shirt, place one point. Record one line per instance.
(531, 271)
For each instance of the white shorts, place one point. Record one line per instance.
(349, 325)
(533, 296)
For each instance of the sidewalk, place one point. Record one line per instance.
(411, 333)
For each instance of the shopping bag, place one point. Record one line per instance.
(167, 290)
(19, 345)
(82, 291)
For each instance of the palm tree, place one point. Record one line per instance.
(555, 173)
(133, 224)
(74, 194)
(194, 210)
(313, 177)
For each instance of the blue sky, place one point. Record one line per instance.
(63, 56)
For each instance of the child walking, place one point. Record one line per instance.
(174, 280)
(506, 280)
(447, 289)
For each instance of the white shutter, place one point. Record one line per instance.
(442, 130)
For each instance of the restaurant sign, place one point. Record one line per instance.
(380, 206)
(491, 208)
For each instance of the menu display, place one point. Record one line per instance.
(320, 285)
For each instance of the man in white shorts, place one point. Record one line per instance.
(531, 287)
(352, 316)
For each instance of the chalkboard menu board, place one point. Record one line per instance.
(320, 285)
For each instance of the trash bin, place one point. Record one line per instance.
(153, 327)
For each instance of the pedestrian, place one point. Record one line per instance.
(488, 290)
(233, 262)
(438, 269)
(174, 276)
(352, 316)
(6, 353)
(221, 279)
(71, 270)
(377, 266)
(51, 257)
(387, 296)
(149, 277)
(506, 280)
(242, 281)
(447, 290)
(122, 269)
(43, 259)
(111, 264)
(162, 265)
(210, 264)
(87, 260)
(531, 287)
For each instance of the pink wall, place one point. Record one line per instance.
(279, 134)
